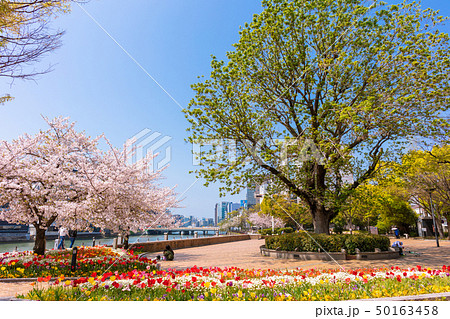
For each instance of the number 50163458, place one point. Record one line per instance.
(407, 310)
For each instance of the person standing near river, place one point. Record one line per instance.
(62, 236)
(72, 236)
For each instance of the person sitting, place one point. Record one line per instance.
(399, 245)
(168, 253)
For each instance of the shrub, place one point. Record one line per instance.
(278, 231)
(331, 243)
(362, 242)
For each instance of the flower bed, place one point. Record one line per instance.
(58, 262)
(254, 284)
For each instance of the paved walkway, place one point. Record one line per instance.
(245, 254)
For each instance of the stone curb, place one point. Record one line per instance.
(441, 295)
(425, 297)
(14, 299)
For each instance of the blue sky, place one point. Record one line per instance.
(104, 90)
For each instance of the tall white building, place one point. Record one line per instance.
(260, 191)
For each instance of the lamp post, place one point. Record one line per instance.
(430, 190)
(273, 225)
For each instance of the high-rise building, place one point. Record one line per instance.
(216, 214)
(225, 209)
(260, 191)
(235, 206)
(250, 197)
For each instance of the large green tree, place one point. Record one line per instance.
(426, 173)
(319, 90)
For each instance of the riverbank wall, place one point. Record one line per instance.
(14, 237)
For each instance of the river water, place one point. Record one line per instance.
(24, 246)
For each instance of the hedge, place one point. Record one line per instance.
(278, 231)
(309, 242)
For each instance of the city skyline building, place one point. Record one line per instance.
(260, 192)
(250, 197)
(235, 206)
(216, 214)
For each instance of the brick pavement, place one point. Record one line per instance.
(245, 254)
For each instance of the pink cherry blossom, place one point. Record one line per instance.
(264, 221)
(61, 176)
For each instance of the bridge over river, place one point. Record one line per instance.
(183, 230)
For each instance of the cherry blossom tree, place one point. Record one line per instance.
(61, 176)
(264, 220)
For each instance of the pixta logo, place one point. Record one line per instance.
(148, 148)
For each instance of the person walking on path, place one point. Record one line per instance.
(62, 236)
(72, 236)
(396, 233)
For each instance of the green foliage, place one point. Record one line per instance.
(289, 211)
(396, 212)
(278, 231)
(421, 171)
(316, 90)
(383, 205)
(362, 208)
(339, 224)
(330, 243)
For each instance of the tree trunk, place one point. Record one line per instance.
(39, 243)
(316, 187)
(321, 221)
